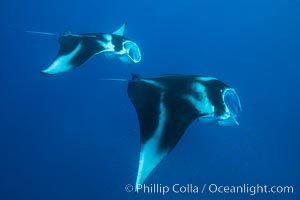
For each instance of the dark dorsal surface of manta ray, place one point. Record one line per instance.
(75, 49)
(166, 105)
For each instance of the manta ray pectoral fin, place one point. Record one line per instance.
(74, 51)
(150, 153)
(163, 117)
(120, 30)
(62, 62)
(150, 157)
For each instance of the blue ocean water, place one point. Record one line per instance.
(72, 136)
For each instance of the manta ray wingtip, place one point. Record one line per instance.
(120, 31)
(45, 72)
(50, 71)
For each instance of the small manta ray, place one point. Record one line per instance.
(166, 105)
(75, 49)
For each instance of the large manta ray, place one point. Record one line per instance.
(75, 49)
(166, 105)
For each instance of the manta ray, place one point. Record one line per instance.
(76, 49)
(166, 105)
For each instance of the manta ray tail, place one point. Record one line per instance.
(41, 33)
(114, 79)
(34, 32)
(135, 77)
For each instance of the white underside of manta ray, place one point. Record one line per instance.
(76, 49)
(168, 104)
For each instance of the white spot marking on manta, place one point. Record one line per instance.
(107, 37)
(62, 63)
(150, 155)
(203, 105)
(206, 78)
(108, 46)
(155, 83)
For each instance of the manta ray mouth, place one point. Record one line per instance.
(232, 107)
(132, 51)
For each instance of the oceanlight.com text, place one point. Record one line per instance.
(249, 189)
(209, 188)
